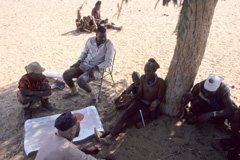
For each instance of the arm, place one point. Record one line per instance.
(161, 93)
(76, 154)
(228, 107)
(188, 96)
(128, 90)
(94, 21)
(84, 27)
(227, 110)
(139, 94)
(84, 52)
(108, 57)
(77, 22)
(125, 93)
(28, 92)
(93, 12)
(162, 90)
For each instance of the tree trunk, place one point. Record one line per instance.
(192, 33)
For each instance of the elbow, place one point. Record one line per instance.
(231, 111)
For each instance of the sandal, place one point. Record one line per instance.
(69, 94)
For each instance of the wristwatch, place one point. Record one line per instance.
(214, 114)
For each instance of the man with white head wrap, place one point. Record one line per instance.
(209, 99)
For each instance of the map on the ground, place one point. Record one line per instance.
(36, 130)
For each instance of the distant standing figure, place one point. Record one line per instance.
(96, 14)
(79, 21)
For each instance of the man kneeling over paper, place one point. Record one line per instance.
(58, 145)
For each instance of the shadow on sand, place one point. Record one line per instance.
(73, 33)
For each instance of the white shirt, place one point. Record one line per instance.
(93, 55)
(56, 147)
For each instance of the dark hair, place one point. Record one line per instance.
(101, 29)
(136, 74)
(154, 63)
(98, 3)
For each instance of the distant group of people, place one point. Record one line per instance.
(90, 23)
(210, 99)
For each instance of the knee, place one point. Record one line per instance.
(67, 75)
(235, 121)
(81, 81)
(23, 99)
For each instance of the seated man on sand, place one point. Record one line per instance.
(99, 21)
(79, 21)
(210, 99)
(232, 144)
(89, 25)
(58, 145)
(33, 87)
(96, 56)
(125, 99)
(150, 94)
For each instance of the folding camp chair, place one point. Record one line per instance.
(108, 71)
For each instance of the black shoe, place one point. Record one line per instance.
(46, 104)
(27, 113)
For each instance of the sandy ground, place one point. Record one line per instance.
(44, 31)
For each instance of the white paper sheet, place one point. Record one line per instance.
(36, 130)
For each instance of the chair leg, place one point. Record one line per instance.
(100, 89)
(112, 78)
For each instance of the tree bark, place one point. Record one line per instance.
(193, 29)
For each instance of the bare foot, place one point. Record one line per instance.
(97, 134)
(120, 28)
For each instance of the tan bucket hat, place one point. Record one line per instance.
(34, 67)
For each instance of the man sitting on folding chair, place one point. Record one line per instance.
(95, 58)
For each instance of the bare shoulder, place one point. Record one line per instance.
(160, 80)
(143, 77)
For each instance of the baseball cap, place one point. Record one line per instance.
(34, 67)
(67, 120)
(213, 82)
